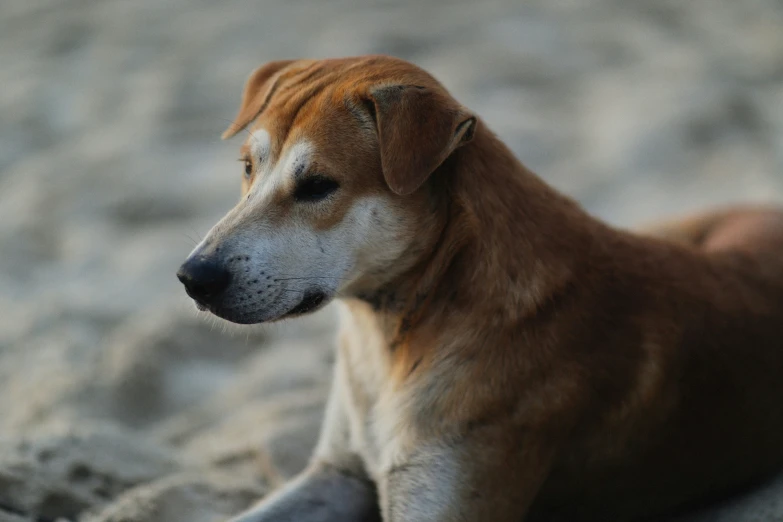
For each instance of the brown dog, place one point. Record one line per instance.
(503, 356)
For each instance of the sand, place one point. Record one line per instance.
(118, 402)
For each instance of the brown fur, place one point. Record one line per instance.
(523, 360)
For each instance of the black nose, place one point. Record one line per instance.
(204, 279)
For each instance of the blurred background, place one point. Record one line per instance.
(117, 401)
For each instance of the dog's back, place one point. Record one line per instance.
(705, 415)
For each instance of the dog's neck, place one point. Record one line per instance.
(491, 206)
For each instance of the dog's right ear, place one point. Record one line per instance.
(418, 128)
(258, 89)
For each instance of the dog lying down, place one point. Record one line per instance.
(503, 355)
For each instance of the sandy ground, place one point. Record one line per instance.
(119, 403)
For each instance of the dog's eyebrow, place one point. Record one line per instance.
(299, 169)
(304, 167)
(259, 143)
(298, 160)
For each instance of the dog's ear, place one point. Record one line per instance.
(418, 128)
(258, 89)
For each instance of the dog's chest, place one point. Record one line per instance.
(368, 402)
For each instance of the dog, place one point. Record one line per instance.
(502, 355)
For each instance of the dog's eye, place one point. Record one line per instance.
(314, 188)
(248, 168)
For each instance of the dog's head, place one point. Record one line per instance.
(337, 152)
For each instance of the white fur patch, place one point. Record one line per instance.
(260, 142)
(296, 159)
(272, 178)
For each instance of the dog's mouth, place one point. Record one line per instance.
(309, 302)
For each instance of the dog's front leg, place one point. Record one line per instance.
(321, 494)
(483, 478)
(334, 488)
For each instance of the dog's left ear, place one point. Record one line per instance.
(418, 128)
(258, 89)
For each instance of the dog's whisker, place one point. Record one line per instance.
(190, 238)
(200, 238)
(235, 125)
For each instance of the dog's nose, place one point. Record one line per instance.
(204, 279)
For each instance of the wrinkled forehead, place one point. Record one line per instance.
(321, 120)
(324, 132)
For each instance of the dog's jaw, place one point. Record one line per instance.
(311, 302)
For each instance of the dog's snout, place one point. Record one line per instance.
(204, 279)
